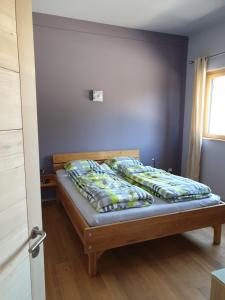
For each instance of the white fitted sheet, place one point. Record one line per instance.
(159, 207)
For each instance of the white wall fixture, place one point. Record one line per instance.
(97, 96)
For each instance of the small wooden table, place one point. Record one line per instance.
(218, 285)
(48, 180)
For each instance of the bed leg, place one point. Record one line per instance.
(92, 262)
(217, 234)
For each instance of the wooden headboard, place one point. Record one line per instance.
(60, 159)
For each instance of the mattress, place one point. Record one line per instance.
(159, 207)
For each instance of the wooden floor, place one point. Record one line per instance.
(172, 268)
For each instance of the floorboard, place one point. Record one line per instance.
(171, 268)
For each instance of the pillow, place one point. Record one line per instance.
(125, 161)
(83, 165)
(136, 169)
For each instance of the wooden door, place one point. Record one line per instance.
(21, 276)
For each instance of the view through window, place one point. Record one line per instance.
(215, 105)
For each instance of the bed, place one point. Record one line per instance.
(102, 231)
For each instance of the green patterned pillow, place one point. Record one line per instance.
(85, 165)
(119, 161)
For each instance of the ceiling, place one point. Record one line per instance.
(169, 16)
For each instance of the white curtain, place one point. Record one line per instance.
(196, 131)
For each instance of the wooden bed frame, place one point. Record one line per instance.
(100, 238)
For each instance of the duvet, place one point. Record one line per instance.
(163, 184)
(158, 182)
(106, 191)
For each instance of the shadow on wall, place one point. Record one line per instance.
(213, 162)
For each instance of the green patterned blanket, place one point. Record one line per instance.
(164, 185)
(106, 192)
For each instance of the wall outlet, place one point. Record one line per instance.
(170, 170)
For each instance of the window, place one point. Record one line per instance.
(214, 123)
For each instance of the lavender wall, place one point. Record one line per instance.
(142, 74)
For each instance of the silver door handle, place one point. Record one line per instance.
(35, 248)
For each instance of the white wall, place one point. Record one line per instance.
(203, 43)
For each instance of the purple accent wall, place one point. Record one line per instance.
(141, 73)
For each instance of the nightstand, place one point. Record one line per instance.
(48, 180)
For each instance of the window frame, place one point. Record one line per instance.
(209, 77)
